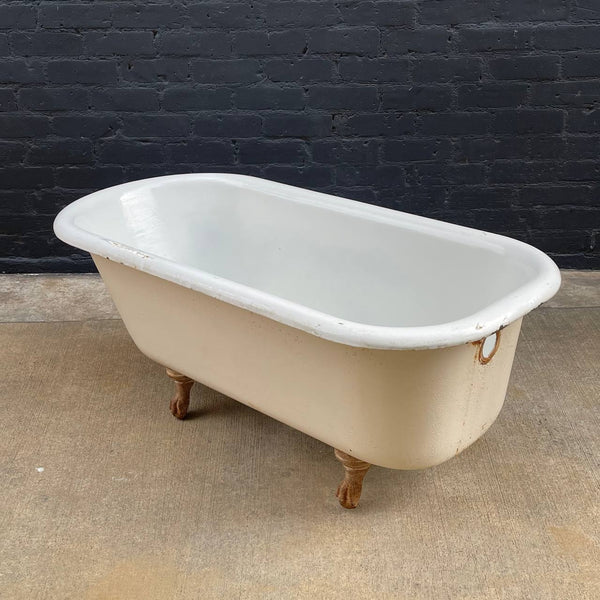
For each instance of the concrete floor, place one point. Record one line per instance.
(106, 496)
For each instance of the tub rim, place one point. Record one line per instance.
(470, 328)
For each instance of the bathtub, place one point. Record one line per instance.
(383, 334)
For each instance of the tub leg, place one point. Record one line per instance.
(348, 492)
(181, 400)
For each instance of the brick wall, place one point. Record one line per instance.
(483, 113)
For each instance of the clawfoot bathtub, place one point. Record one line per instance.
(386, 335)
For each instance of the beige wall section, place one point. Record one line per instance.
(399, 409)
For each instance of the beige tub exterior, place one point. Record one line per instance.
(403, 409)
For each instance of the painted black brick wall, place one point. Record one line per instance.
(483, 113)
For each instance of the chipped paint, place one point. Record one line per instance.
(128, 249)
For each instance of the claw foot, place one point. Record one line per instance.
(181, 401)
(349, 490)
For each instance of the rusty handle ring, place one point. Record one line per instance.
(483, 359)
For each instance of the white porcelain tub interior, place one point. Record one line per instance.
(361, 267)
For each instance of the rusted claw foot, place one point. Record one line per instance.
(181, 400)
(348, 492)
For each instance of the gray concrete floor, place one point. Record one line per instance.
(105, 495)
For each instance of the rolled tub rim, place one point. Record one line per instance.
(473, 327)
